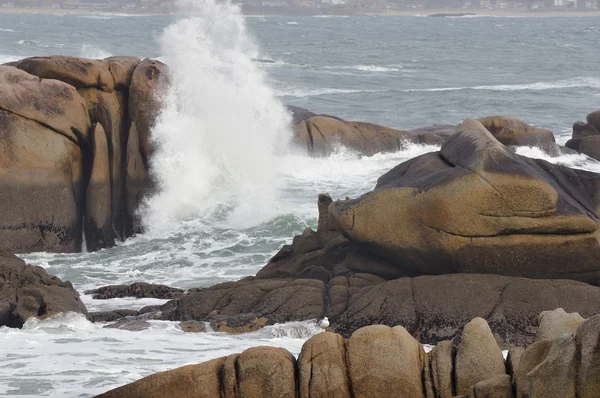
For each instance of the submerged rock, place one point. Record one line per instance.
(137, 290)
(29, 291)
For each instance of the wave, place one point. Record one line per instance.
(292, 23)
(90, 51)
(221, 124)
(367, 68)
(576, 161)
(36, 43)
(588, 82)
(6, 30)
(303, 93)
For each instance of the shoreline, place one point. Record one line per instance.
(381, 13)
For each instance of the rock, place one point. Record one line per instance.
(133, 325)
(137, 181)
(266, 372)
(385, 362)
(442, 369)
(137, 290)
(494, 387)
(455, 210)
(322, 368)
(121, 69)
(512, 131)
(277, 300)
(581, 130)
(587, 340)
(237, 324)
(556, 323)
(27, 291)
(110, 316)
(513, 359)
(321, 135)
(193, 326)
(78, 72)
(98, 226)
(299, 114)
(590, 146)
(593, 118)
(478, 357)
(531, 357)
(228, 374)
(434, 135)
(555, 376)
(192, 381)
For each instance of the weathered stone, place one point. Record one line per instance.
(593, 118)
(513, 359)
(137, 290)
(555, 376)
(581, 130)
(588, 367)
(494, 387)
(512, 131)
(556, 323)
(478, 356)
(121, 69)
(266, 372)
(109, 316)
(192, 381)
(193, 326)
(78, 72)
(531, 357)
(133, 325)
(322, 369)
(385, 362)
(590, 146)
(442, 369)
(29, 291)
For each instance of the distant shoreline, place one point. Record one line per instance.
(338, 12)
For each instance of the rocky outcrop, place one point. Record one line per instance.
(27, 291)
(44, 130)
(454, 210)
(69, 159)
(586, 136)
(555, 323)
(379, 361)
(511, 131)
(137, 290)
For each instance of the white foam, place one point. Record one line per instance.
(220, 126)
(316, 92)
(93, 52)
(6, 30)
(576, 161)
(588, 82)
(367, 68)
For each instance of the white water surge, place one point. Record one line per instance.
(221, 126)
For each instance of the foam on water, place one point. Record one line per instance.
(220, 127)
(585, 82)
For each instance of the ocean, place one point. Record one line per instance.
(233, 191)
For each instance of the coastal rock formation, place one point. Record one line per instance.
(44, 135)
(27, 291)
(75, 153)
(379, 361)
(511, 131)
(137, 290)
(586, 136)
(455, 210)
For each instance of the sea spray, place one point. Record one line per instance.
(221, 125)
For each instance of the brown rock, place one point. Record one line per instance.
(193, 326)
(137, 290)
(588, 366)
(531, 357)
(27, 291)
(494, 387)
(229, 384)
(593, 118)
(555, 376)
(109, 316)
(385, 362)
(513, 359)
(132, 325)
(590, 146)
(512, 131)
(556, 323)
(244, 323)
(266, 372)
(137, 181)
(478, 356)
(322, 369)
(121, 69)
(192, 381)
(581, 130)
(442, 369)
(78, 72)
(453, 211)
(98, 226)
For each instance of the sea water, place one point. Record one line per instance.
(232, 190)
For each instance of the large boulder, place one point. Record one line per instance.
(442, 359)
(29, 291)
(44, 127)
(514, 132)
(478, 357)
(557, 322)
(137, 290)
(78, 72)
(321, 135)
(192, 381)
(587, 339)
(477, 207)
(593, 118)
(385, 362)
(590, 146)
(266, 372)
